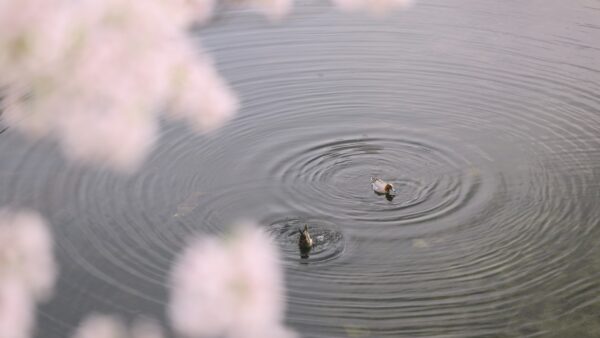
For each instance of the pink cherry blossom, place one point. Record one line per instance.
(94, 74)
(375, 7)
(229, 287)
(26, 253)
(105, 326)
(17, 310)
(27, 270)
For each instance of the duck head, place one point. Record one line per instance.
(305, 242)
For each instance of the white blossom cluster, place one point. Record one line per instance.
(231, 287)
(27, 270)
(96, 73)
(375, 7)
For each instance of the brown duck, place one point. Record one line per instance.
(305, 242)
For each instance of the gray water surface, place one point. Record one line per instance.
(484, 114)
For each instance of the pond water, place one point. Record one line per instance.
(484, 114)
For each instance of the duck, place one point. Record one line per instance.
(382, 187)
(305, 242)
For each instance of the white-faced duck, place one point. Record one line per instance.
(382, 187)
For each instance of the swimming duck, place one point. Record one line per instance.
(305, 243)
(382, 187)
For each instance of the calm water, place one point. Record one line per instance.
(484, 114)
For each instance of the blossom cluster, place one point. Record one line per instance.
(96, 73)
(230, 287)
(105, 326)
(375, 7)
(27, 270)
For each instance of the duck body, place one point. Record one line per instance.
(305, 242)
(382, 187)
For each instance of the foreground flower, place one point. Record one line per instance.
(229, 287)
(95, 74)
(275, 10)
(17, 310)
(26, 253)
(375, 7)
(27, 270)
(103, 326)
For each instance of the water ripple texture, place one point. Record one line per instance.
(484, 115)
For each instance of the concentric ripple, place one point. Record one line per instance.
(328, 242)
(433, 181)
(430, 183)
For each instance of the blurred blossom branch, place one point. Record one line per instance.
(230, 287)
(95, 74)
(377, 8)
(103, 326)
(27, 270)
